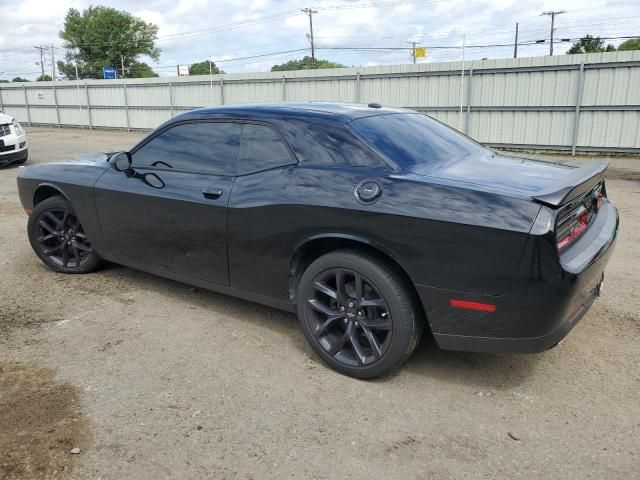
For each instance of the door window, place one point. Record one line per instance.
(208, 147)
(261, 149)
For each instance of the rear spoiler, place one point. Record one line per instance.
(581, 180)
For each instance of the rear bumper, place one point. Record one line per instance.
(11, 157)
(543, 306)
(516, 345)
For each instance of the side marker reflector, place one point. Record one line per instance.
(484, 307)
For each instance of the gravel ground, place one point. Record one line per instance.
(152, 379)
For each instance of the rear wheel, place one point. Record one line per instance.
(357, 314)
(57, 237)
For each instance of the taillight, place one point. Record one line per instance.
(574, 219)
(576, 227)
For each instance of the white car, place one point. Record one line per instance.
(13, 141)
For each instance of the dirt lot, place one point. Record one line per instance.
(152, 379)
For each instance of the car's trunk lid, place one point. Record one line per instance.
(523, 175)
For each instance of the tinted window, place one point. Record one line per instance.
(262, 148)
(415, 141)
(200, 147)
(328, 143)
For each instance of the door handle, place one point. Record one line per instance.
(212, 192)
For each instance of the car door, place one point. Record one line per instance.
(179, 221)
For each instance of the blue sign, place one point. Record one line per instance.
(109, 73)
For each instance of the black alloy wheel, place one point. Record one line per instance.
(62, 239)
(357, 313)
(58, 238)
(350, 319)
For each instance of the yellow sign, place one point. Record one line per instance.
(421, 52)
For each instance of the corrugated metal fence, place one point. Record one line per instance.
(570, 102)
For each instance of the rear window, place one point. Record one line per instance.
(414, 141)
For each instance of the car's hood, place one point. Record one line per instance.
(92, 157)
(526, 176)
(4, 118)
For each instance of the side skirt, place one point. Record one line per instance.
(214, 287)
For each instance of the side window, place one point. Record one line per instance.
(328, 143)
(261, 148)
(208, 147)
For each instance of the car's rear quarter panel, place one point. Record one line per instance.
(444, 237)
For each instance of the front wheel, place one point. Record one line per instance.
(357, 314)
(57, 237)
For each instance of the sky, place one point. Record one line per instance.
(228, 32)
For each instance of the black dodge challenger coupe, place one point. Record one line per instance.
(373, 224)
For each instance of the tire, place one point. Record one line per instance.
(384, 308)
(56, 243)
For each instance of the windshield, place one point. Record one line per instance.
(416, 142)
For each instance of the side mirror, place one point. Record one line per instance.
(121, 162)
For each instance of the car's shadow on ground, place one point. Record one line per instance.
(483, 371)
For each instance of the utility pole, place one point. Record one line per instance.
(310, 13)
(53, 64)
(122, 63)
(552, 14)
(413, 51)
(41, 48)
(464, 41)
(515, 45)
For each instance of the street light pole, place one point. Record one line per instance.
(41, 48)
(413, 50)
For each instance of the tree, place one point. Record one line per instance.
(590, 44)
(101, 36)
(632, 44)
(19, 79)
(304, 64)
(140, 70)
(202, 68)
(44, 78)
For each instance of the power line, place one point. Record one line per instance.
(375, 4)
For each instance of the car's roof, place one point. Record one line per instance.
(345, 112)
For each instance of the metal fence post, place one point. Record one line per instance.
(284, 88)
(576, 118)
(171, 97)
(126, 106)
(26, 102)
(55, 99)
(86, 91)
(358, 87)
(221, 91)
(468, 102)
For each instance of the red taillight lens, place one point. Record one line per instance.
(575, 230)
(575, 217)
